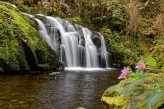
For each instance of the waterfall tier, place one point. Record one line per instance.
(76, 46)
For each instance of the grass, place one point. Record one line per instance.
(158, 24)
(134, 16)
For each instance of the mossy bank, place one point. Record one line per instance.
(136, 92)
(21, 47)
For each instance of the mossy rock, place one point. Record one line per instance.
(146, 92)
(21, 46)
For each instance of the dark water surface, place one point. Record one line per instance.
(66, 91)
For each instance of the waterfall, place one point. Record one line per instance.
(73, 43)
(42, 30)
(90, 49)
(104, 52)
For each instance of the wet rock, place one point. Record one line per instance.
(54, 73)
(80, 108)
(96, 39)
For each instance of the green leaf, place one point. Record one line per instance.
(138, 81)
(163, 67)
(140, 74)
(153, 98)
(132, 75)
(132, 91)
(151, 61)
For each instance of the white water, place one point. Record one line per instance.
(90, 49)
(88, 69)
(73, 43)
(42, 30)
(104, 52)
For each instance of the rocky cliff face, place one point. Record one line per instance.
(21, 48)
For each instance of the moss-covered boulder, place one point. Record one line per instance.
(136, 92)
(21, 47)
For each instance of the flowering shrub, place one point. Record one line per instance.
(141, 69)
(142, 88)
(125, 72)
(141, 65)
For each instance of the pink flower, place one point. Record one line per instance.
(125, 72)
(140, 65)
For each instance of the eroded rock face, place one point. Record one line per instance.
(21, 48)
(96, 39)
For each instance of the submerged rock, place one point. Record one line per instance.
(22, 49)
(81, 108)
(54, 73)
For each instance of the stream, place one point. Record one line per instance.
(68, 90)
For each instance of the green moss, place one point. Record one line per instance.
(1, 20)
(135, 93)
(116, 102)
(21, 46)
(8, 47)
(26, 29)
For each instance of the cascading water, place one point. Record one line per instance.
(42, 30)
(90, 49)
(73, 43)
(104, 53)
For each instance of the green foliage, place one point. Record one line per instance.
(151, 61)
(163, 67)
(123, 46)
(77, 20)
(23, 8)
(141, 89)
(153, 98)
(147, 92)
(109, 14)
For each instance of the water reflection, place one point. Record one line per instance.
(19, 92)
(67, 91)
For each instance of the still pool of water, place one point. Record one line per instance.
(68, 90)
